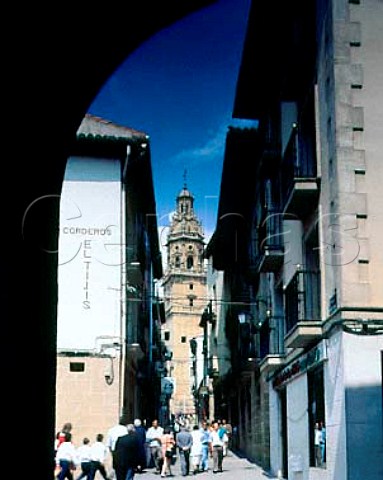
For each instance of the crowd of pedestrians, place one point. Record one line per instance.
(135, 449)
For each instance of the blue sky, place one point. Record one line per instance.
(179, 88)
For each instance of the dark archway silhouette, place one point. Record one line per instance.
(56, 60)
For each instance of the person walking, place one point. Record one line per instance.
(112, 435)
(225, 428)
(60, 435)
(153, 436)
(196, 449)
(98, 455)
(84, 458)
(206, 446)
(141, 434)
(66, 458)
(184, 444)
(218, 440)
(167, 449)
(127, 454)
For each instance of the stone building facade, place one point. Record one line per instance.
(108, 260)
(311, 263)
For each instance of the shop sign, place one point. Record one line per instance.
(301, 365)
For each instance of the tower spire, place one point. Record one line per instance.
(185, 183)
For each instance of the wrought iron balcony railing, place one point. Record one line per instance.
(271, 337)
(269, 247)
(302, 298)
(299, 173)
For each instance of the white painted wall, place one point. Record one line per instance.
(275, 430)
(353, 388)
(199, 360)
(292, 236)
(363, 395)
(89, 272)
(219, 351)
(335, 408)
(297, 427)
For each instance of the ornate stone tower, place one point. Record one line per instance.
(185, 292)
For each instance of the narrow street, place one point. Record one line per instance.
(234, 467)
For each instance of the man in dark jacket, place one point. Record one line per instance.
(141, 434)
(127, 454)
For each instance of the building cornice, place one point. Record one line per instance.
(176, 276)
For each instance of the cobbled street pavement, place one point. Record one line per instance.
(234, 468)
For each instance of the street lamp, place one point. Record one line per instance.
(245, 317)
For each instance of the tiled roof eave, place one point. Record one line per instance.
(107, 146)
(90, 137)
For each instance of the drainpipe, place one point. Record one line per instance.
(123, 280)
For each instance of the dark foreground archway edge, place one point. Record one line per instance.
(55, 60)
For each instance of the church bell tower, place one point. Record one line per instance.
(185, 293)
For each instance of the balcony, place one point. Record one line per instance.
(299, 182)
(302, 309)
(244, 353)
(271, 347)
(270, 241)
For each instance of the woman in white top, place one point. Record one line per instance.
(66, 458)
(196, 449)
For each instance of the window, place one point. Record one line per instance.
(189, 262)
(178, 262)
(77, 367)
(183, 339)
(167, 335)
(191, 302)
(191, 286)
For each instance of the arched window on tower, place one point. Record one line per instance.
(189, 262)
(177, 262)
